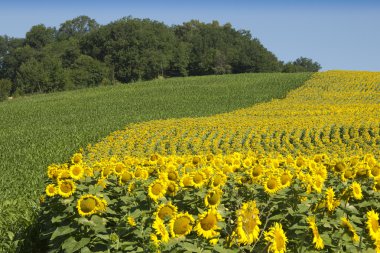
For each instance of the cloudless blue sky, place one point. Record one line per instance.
(339, 34)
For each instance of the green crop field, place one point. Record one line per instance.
(43, 129)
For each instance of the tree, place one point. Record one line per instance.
(87, 72)
(77, 27)
(5, 88)
(39, 36)
(303, 64)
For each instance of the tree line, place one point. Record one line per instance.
(82, 53)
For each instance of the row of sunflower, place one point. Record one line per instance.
(300, 174)
(237, 202)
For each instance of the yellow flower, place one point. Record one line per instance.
(76, 171)
(131, 221)
(318, 183)
(207, 224)
(346, 223)
(141, 173)
(272, 184)
(66, 188)
(172, 188)
(181, 224)
(213, 197)
(199, 179)
(373, 224)
(331, 202)
(88, 204)
(77, 158)
(317, 239)
(125, 177)
(161, 230)
(157, 189)
(219, 179)
(186, 181)
(286, 179)
(51, 190)
(276, 238)
(155, 240)
(166, 211)
(257, 172)
(248, 222)
(356, 190)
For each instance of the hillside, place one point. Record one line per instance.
(42, 129)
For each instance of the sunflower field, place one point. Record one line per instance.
(299, 174)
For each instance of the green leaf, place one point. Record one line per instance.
(60, 231)
(71, 245)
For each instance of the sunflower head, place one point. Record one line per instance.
(51, 190)
(66, 188)
(207, 224)
(272, 184)
(276, 238)
(213, 197)
(356, 190)
(88, 204)
(125, 177)
(157, 189)
(166, 211)
(248, 223)
(76, 171)
(181, 224)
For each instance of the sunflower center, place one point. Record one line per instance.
(196, 160)
(51, 189)
(217, 180)
(181, 225)
(375, 225)
(249, 223)
(88, 205)
(165, 212)
(256, 171)
(76, 170)
(213, 198)
(126, 176)
(285, 178)
(171, 188)
(208, 222)
(119, 168)
(375, 171)
(197, 178)
(272, 184)
(138, 173)
(66, 187)
(172, 176)
(339, 166)
(157, 189)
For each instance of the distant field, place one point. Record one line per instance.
(39, 130)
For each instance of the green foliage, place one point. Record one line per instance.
(132, 49)
(39, 36)
(5, 88)
(42, 129)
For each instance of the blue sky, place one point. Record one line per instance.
(337, 34)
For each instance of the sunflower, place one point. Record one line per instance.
(119, 168)
(373, 224)
(51, 190)
(318, 183)
(141, 173)
(76, 171)
(257, 172)
(124, 177)
(155, 240)
(213, 197)
(286, 179)
(317, 239)
(248, 222)
(347, 224)
(66, 188)
(199, 179)
(77, 158)
(172, 188)
(375, 171)
(272, 184)
(131, 221)
(107, 170)
(88, 204)
(166, 211)
(181, 224)
(330, 200)
(53, 171)
(277, 238)
(186, 181)
(219, 179)
(172, 175)
(161, 230)
(63, 174)
(357, 190)
(157, 189)
(207, 224)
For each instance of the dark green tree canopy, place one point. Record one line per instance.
(39, 36)
(82, 53)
